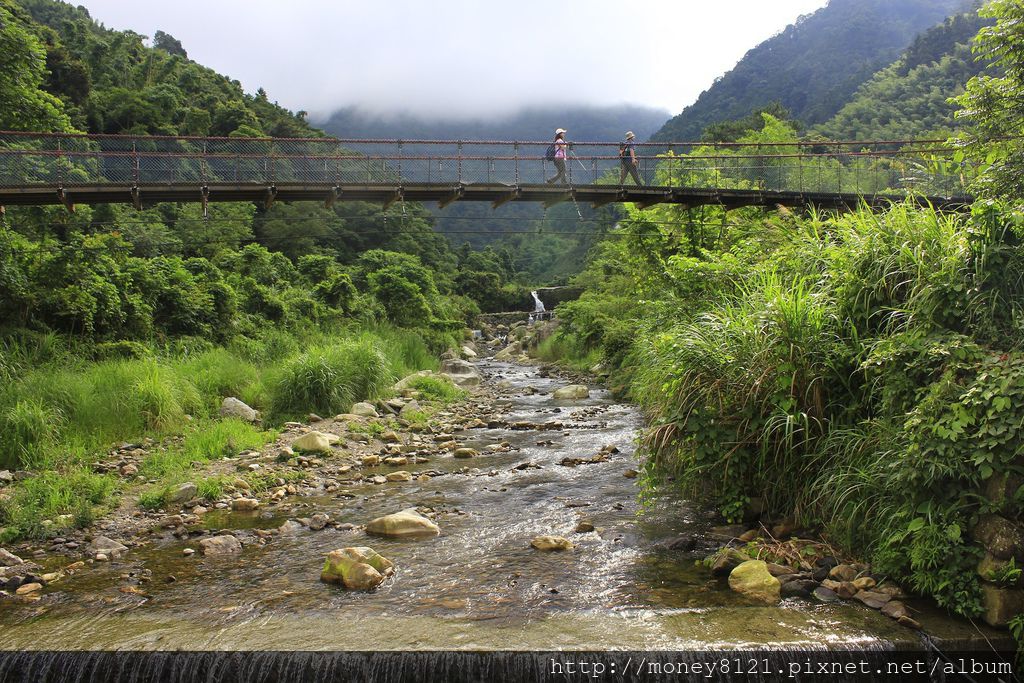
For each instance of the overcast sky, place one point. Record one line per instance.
(463, 58)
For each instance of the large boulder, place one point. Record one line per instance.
(510, 352)
(551, 543)
(9, 559)
(225, 544)
(1001, 604)
(359, 568)
(463, 373)
(364, 410)
(184, 493)
(233, 407)
(1002, 538)
(404, 524)
(753, 580)
(101, 545)
(315, 442)
(572, 392)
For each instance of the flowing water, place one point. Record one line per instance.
(479, 585)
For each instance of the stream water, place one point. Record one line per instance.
(477, 586)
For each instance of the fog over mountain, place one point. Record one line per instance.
(536, 123)
(463, 59)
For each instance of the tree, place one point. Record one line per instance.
(169, 44)
(994, 105)
(23, 104)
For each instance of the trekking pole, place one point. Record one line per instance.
(573, 153)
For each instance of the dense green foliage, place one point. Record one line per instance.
(859, 373)
(814, 66)
(911, 97)
(24, 105)
(992, 104)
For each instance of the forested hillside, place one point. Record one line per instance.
(814, 66)
(910, 98)
(110, 82)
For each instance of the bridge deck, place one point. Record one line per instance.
(495, 193)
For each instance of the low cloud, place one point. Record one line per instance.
(463, 58)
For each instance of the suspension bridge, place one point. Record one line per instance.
(69, 169)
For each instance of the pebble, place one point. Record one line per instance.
(188, 552)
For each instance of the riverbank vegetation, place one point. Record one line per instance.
(858, 374)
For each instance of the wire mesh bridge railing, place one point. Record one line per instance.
(64, 162)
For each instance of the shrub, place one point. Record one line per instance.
(328, 379)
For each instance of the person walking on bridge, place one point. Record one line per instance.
(558, 156)
(627, 157)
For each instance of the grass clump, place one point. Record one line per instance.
(153, 499)
(437, 388)
(39, 502)
(329, 379)
(205, 442)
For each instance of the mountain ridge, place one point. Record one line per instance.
(815, 65)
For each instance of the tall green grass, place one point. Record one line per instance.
(329, 379)
(58, 412)
(861, 376)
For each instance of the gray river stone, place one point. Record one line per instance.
(233, 407)
(9, 559)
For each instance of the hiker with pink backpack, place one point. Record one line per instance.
(557, 153)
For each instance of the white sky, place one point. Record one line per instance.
(463, 58)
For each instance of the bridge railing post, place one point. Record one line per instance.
(135, 164)
(459, 156)
(839, 174)
(515, 154)
(401, 181)
(60, 165)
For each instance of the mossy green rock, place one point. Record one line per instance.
(358, 568)
(1001, 604)
(753, 580)
(725, 560)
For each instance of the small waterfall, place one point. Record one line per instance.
(538, 305)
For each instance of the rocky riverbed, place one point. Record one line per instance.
(539, 537)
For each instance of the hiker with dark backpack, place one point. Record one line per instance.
(556, 152)
(627, 157)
